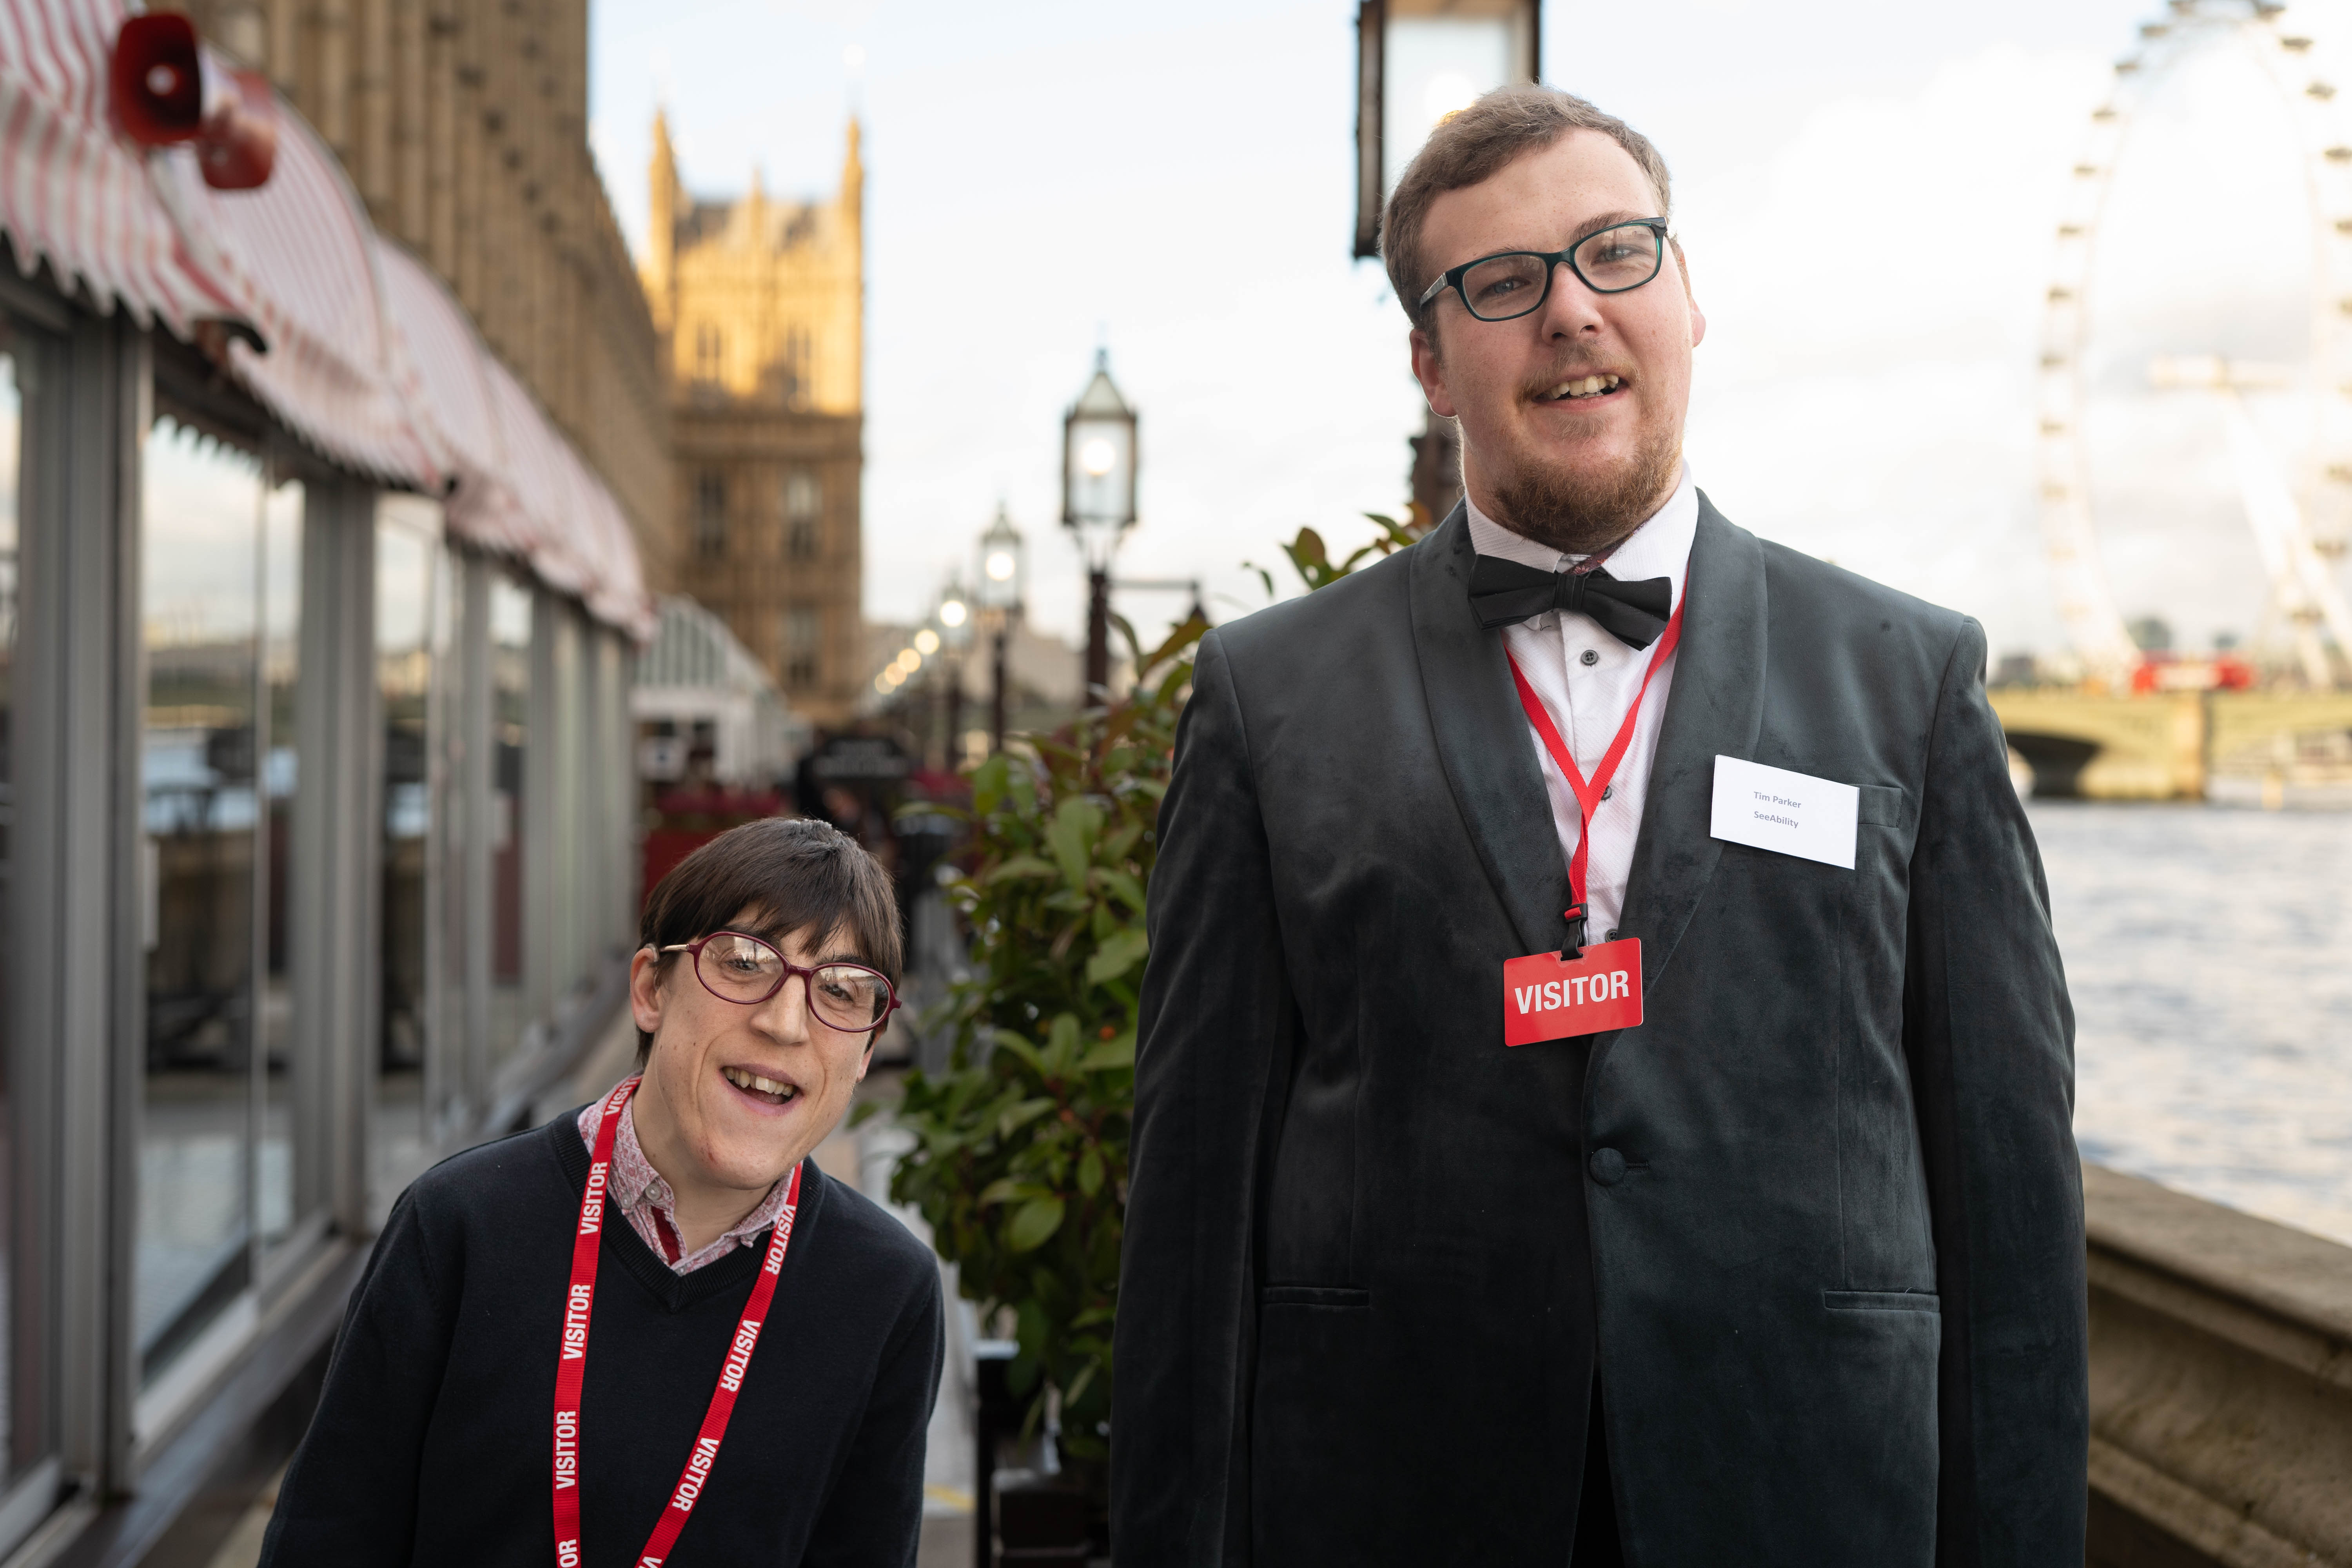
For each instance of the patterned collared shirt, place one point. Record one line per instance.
(652, 1207)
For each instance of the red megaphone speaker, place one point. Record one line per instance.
(168, 91)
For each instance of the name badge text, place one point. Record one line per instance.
(1546, 999)
(1794, 813)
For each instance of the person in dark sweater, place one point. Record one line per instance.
(742, 1374)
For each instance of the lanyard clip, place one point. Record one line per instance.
(1574, 949)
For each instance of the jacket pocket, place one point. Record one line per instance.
(1882, 1301)
(1881, 806)
(1338, 1296)
(1316, 1456)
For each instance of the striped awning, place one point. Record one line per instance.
(519, 487)
(366, 355)
(297, 259)
(73, 194)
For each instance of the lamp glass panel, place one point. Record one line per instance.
(1000, 570)
(1431, 67)
(1101, 477)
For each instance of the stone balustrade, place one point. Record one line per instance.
(2220, 1384)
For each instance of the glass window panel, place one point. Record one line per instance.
(405, 611)
(456, 1090)
(570, 747)
(201, 612)
(510, 745)
(282, 1068)
(24, 1399)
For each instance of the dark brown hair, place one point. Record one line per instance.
(795, 875)
(1474, 145)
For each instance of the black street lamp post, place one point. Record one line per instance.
(954, 615)
(1418, 61)
(1003, 578)
(1098, 464)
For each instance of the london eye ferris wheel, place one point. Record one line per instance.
(2297, 505)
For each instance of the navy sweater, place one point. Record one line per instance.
(431, 1443)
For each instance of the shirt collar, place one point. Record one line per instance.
(1660, 547)
(634, 1184)
(634, 1179)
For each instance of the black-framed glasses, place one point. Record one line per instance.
(742, 969)
(1511, 283)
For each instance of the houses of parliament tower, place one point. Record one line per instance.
(760, 306)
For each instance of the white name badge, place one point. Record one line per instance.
(1795, 814)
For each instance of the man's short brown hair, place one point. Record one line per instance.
(798, 874)
(1472, 146)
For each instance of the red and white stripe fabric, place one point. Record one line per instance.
(535, 454)
(298, 258)
(71, 192)
(440, 366)
(520, 487)
(367, 357)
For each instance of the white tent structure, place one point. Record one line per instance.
(695, 675)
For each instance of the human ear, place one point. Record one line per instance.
(1698, 316)
(1430, 371)
(645, 989)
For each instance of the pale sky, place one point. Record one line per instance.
(1178, 183)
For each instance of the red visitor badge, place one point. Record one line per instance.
(1547, 998)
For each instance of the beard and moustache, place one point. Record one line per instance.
(1584, 513)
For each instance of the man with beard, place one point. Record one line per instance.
(1605, 1075)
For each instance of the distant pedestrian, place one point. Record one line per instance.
(743, 1372)
(1733, 1217)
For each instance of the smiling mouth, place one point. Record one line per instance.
(767, 1090)
(1587, 386)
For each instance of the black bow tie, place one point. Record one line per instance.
(1503, 592)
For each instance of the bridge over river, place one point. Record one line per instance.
(2249, 748)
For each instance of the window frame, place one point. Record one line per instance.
(55, 1102)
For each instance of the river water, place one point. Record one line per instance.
(2210, 956)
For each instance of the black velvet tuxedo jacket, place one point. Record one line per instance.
(1816, 1224)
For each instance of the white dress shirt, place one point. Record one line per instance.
(1586, 679)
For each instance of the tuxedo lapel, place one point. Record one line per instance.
(1481, 740)
(1715, 706)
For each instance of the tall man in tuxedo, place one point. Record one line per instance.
(1791, 1271)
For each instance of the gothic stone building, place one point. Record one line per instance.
(761, 308)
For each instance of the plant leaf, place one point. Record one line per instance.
(1021, 1115)
(1062, 1043)
(1071, 839)
(1117, 954)
(1006, 1040)
(1117, 1053)
(1034, 1224)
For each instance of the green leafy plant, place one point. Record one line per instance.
(1311, 558)
(1020, 1155)
(1019, 1162)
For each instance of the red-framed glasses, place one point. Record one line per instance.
(745, 970)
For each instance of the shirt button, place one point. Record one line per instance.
(1612, 933)
(1607, 791)
(1590, 655)
(1608, 1166)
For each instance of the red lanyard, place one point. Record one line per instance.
(572, 1365)
(1588, 792)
